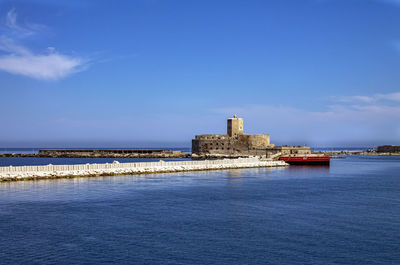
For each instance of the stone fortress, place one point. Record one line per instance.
(237, 144)
(389, 149)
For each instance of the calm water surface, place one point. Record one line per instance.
(348, 213)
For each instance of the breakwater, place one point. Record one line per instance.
(87, 170)
(355, 152)
(98, 153)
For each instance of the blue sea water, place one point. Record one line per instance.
(348, 213)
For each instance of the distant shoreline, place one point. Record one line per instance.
(358, 152)
(178, 154)
(102, 153)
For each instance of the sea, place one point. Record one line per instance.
(345, 213)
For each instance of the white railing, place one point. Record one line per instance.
(116, 165)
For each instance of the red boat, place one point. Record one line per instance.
(306, 160)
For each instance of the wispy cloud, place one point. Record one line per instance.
(9, 46)
(394, 97)
(361, 120)
(50, 66)
(19, 59)
(11, 19)
(397, 2)
(391, 96)
(18, 30)
(396, 45)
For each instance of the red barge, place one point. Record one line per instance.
(306, 160)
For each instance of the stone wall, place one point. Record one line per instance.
(293, 150)
(258, 141)
(389, 149)
(246, 144)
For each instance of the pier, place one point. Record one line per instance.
(12, 173)
(135, 153)
(96, 153)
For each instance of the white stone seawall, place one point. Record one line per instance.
(12, 173)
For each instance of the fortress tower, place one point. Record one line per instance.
(235, 126)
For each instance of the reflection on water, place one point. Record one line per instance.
(85, 187)
(323, 169)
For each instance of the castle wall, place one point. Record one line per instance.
(208, 144)
(258, 141)
(293, 150)
(243, 145)
(223, 144)
(389, 149)
(235, 143)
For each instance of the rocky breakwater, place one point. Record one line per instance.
(90, 170)
(109, 153)
(340, 153)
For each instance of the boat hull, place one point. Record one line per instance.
(306, 160)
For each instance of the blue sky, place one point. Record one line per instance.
(152, 72)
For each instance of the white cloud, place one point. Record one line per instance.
(397, 2)
(46, 67)
(11, 19)
(396, 45)
(394, 97)
(18, 59)
(18, 30)
(365, 99)
(8, 45)
(391, 96)
(340, 124)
